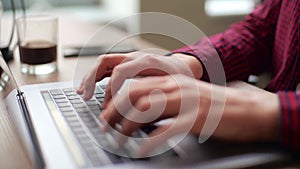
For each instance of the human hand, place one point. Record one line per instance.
(123, 66)
(238, 115)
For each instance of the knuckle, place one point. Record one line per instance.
(171, 83)
(151, 59)
(148, 59)
(117, 69)
(143, 104)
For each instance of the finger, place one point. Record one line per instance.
(107, 96)
(79, 90)
(103, 66)
(88, 90)
(110, 116)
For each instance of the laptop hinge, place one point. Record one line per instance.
(40, 163)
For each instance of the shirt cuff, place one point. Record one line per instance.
(290, 119)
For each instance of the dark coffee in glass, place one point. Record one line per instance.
(38, 44)
(38, 52)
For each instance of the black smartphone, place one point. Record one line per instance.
(75, 51)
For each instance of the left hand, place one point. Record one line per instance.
(244, 115)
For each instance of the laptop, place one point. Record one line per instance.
(61, 130)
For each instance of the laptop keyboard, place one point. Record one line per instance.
(82, 118)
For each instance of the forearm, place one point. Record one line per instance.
(249, 117)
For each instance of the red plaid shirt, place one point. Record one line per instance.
(267, 38)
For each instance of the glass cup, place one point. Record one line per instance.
(37, 37)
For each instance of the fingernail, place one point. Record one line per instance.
(79, 91)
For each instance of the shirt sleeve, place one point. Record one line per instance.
(290, 119)
(245, 48)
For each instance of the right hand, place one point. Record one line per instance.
(123, 66)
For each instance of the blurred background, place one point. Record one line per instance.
(211, 16)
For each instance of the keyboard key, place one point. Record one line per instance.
(71, 118)
(77, 130)
(66, 109)
(82, 105)
(91, 102)
(85, 143)
(60, 96)
(65, 104)
(82, 136)
(92, 124)
(62, 100)
(84, 114)
(98, 90)
(96, 112)
(56, 92)
(82, 110)
(71, 94)
(69, 90)
(76, 101)
(69, 113)
(98, 95)
(88, 119)
(103, 87)
(96, 130)
(100, 98)
(75, 97)
(74, 124)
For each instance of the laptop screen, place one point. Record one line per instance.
(7, 82)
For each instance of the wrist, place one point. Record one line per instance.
(268, 106)
(193, 63)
